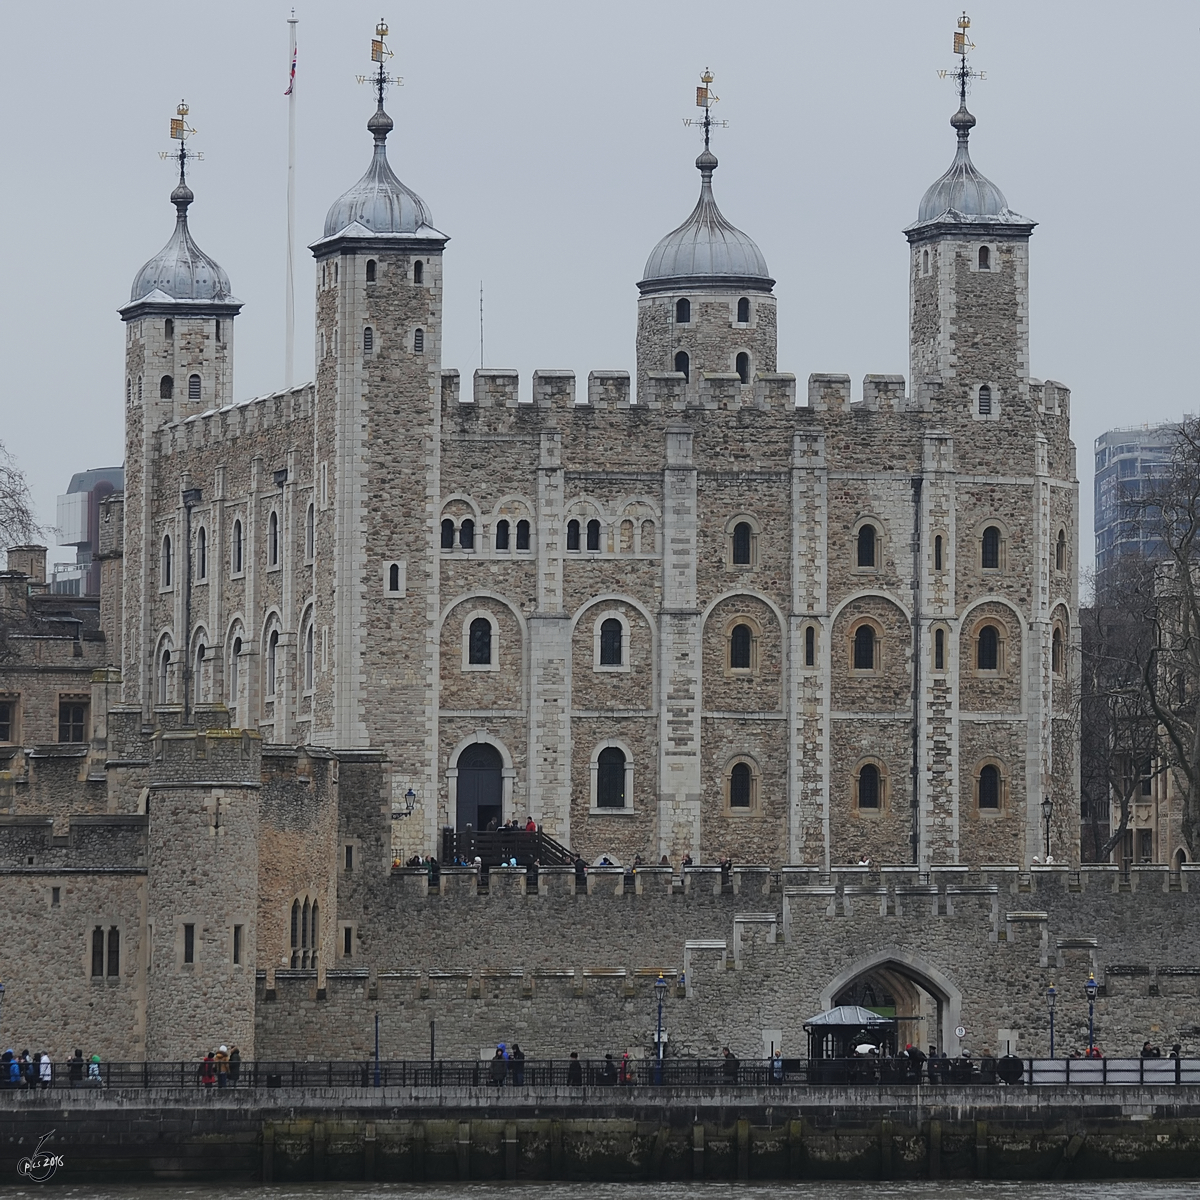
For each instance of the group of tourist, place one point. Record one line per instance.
(36, 1070)
(221, 1067)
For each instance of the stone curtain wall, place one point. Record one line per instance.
(559, 972)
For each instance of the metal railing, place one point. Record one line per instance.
(566, 1073)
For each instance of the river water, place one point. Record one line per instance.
(947, 1190)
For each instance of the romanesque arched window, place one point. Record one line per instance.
(611, 638)
(1056, 652)
(370, 270)
(1060, 551)
(742, 366)
(394, 577)
(869, 790)
(235, 678)
(989, 549)
(938, 557)
(683, 311)
(193, 387)
(198, 676)
(572, 535)
(236, 556)
(740, 785)
(989, 787)
(610, 778)
(867, 539)
(864, 648)
(368, 341)
(167, 564)
(166, 387)
(273, 540)
(202, 553)
(306, 934)
(310, 532)
(810, 646)
(168, 328)
(985, 258)
(741, 647)
(987, 651)
(985, 401)
(447, 534)
(743, 311)
(924, 262)
(164, 676)
(419, 341)
(682, 365)
(939, 649)
(479, 651)
(522, 535)
(743, 537)
(593, 534)
(308, 658)
(273, 662)
(466, 534)
(501, 535)
(418, 272)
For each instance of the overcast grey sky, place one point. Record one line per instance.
(546, 136)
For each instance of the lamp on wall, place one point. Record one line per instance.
(1047, 809)
(406, 805)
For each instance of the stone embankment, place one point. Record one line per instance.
(599, 1134)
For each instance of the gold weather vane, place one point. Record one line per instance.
(180, 132)
(705, 99)
(963, 74)
(380, 54)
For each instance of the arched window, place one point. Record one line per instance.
(308, 658)
(937, 553)
(866, 545)
(741, 648)
(989, 549)
(572, 534)
(987, 654)
(166, 387)
(310, 532)
(682, 365)
(479, 650)
(610, 778)
(466, 534)
(868, 786)
(237, 547)
(368, 340)
(394, 577)
(1056, 652)
(164, 677)
(198, 676)
(985, 258)
(740, 780)
(273, 540)
(742, 539)
(924, 262)
(810, 646)
(128, 391)
(193, 387)
(985, 401)
(683, 312)
(743, 367)
(743, 311)
(611, 636)
(370, 270)
(989, 787)
(202, 553)
(593, 534)
(447, 534)
(864, 648)
(1060, 551)
(139, 389)
(939, 649)
(272, 661)
(166, 561)
(235, 677)
(522, 535)
(419, 341)
(168, 328)
(418, 272)
(501, 535)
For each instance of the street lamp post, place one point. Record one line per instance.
(1047, 809)
(660, 990)
(1051, 996)
(1091, 987)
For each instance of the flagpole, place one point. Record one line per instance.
(290, 333)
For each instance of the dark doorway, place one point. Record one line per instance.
(480, 787)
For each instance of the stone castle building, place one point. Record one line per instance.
(697, 610)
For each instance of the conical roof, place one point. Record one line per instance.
(706, 250)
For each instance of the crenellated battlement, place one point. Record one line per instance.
(245, 418)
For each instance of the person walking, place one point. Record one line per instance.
(730, 1066)
(608, 1075)
(574, 1070)
(221, 1062)
(208, 1072)
(45, 1070)
(75, 1069)
(499, 1066)
(518, 1066)
(235, 1066)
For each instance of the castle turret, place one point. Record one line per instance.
(379, 342)
(969, 291)
(706, 304)
(178, 361)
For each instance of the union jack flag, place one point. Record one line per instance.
(292, 76)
